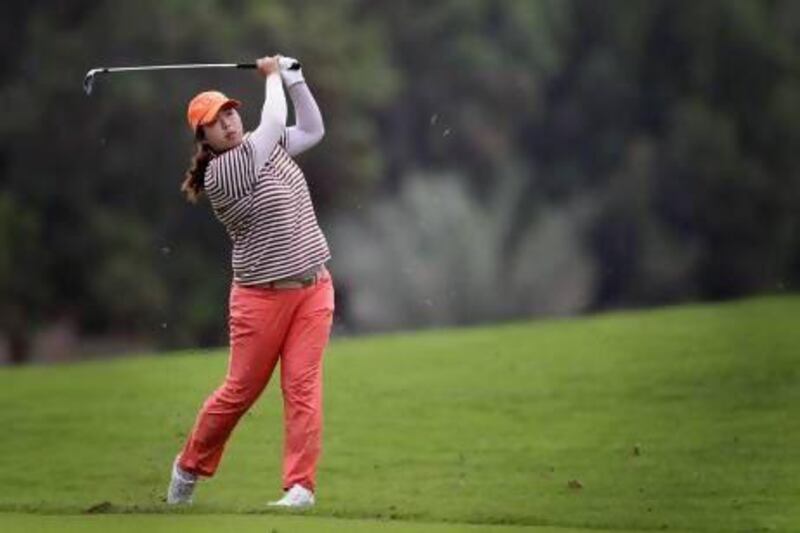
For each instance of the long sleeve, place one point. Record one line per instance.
(273, 120)
(309, 128)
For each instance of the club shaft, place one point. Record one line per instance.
(88, 81)
(175, 67)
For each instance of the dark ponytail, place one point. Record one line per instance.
(192, 186)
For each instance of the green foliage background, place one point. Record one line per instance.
(675, 122)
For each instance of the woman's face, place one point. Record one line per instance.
(226, 130)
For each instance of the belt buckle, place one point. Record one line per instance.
(300, 283)
(310, 280)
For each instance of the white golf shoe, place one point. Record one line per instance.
(297, 497)
(181, 486)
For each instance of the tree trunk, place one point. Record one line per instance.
(19, 347)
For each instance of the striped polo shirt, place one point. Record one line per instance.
(267, 212)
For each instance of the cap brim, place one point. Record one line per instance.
(211, 114)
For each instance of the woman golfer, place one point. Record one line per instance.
(281, 299)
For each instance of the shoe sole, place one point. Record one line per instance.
(284, 506)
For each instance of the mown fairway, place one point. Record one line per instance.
(682, 419)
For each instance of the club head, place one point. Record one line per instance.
(88, 81)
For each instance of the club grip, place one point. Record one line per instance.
(294, 66)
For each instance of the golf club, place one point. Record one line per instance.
(88, 81)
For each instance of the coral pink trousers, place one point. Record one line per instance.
(267, 325)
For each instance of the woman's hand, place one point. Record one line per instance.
(290, 76)
(268, 64)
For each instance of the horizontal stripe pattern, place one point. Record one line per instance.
(267, 212)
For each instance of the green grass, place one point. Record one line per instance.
(161, 523)
(685, 418)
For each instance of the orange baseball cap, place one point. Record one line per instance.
(204, 107)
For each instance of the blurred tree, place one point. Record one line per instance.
(23, 298)
(474, 71)
(696, 84)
